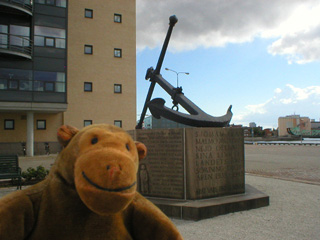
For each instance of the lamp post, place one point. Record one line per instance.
(177, 74)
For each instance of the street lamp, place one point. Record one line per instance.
(177, 74)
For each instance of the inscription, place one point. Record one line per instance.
(164, 163)
(217, 161)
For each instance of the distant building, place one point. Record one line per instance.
(151, 122)
(252, 125)
(315, 125)
(293, 121)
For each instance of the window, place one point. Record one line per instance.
(20, 35)
(49, 86)
(41, 125)
(88, 49)
(118, 52)
(8, 124)
(88, 13)
(118, 123)
(49, 37)
(87, 123)
(58, 3)
(49, 81)
(117, 18)
(15, 79)
(61, 3)
(88, 86)
(4, 37)
(50, 2)
(13, 84)
(117, 88)
(50, 42)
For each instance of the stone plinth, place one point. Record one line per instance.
(193, 166)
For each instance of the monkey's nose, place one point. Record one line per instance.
(113, 169)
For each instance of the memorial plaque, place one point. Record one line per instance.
(161, 173)
(214, 162)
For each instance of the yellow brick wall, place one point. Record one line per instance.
(101, 68)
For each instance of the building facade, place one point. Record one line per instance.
(293, 121)
(64, 62)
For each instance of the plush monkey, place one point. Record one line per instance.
(90, 193)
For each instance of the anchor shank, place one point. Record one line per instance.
(144, 111)
(173, 20)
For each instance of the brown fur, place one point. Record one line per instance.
(90, 193)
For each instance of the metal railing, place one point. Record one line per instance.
(23, 4)
(16, 45)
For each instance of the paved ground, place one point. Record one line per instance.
(293, 214)
(298, 163)
(294, 211)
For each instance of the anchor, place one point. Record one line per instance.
(196, 116)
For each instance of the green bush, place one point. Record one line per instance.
(35, 174)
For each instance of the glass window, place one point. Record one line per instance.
(60, 43)
(17, 34)
(88, 13)
(41, 124)
(117, 18)
(38, 41)
(50, 2)
(118, 123)
(88, 49)
(50, 37)
(20, 30)
(13, 84)
(9, 124)
(25, 85)
(87, 123)
(3, 84)
(49, 86)
(118, 52)
(50, 42)
(3, 36)
(49, 81)
(88, 86)
(3, 28)
(117, 88)
(61, 3)
(50, 32)
(60, 87)
(41, 1)
(10, 73)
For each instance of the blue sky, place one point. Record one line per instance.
(261, 57)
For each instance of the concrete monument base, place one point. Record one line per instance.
(196, 173)
(212, 207)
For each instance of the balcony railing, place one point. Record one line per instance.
(20, 5)
(15, 45)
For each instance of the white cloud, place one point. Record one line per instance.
(286, 101)
(295, 24)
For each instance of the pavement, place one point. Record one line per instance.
(290, 175)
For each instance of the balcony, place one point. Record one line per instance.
(16, 46)
(22, 6)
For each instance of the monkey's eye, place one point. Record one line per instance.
(127, 146)
(94, 140)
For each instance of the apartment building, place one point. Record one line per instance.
(64, 62)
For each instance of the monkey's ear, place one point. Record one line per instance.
(142, 150)
(65, 134)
